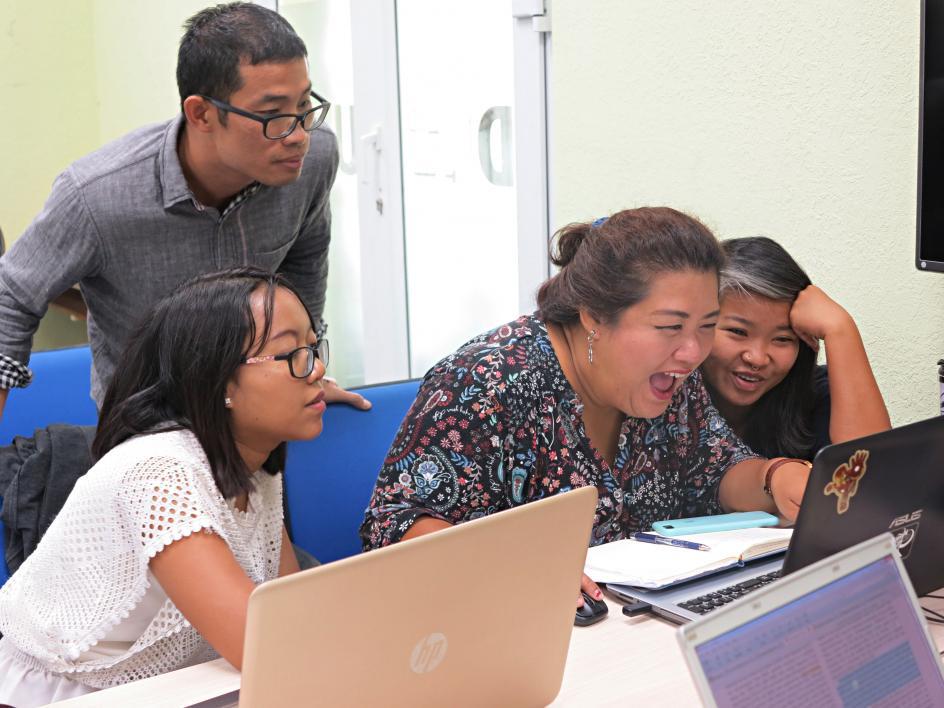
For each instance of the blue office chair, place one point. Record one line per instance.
(59, 394)
(329, 480)
(4, 571)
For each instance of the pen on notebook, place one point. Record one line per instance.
(666, 541)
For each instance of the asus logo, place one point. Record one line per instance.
(905, 519)
(905, 530)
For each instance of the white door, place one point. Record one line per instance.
(440, 221)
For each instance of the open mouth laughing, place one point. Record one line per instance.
(665, 383)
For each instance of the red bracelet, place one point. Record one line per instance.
(775, 465)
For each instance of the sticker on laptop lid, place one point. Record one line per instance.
(845, 481)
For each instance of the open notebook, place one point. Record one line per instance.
(650, 565)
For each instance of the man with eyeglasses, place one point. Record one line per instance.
(241, 177)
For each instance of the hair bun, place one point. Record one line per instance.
(568, 240)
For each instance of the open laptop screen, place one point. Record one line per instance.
(856, 641)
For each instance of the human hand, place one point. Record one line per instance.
(336, 394)
(589, 587)
(815, 315)
(787, 485)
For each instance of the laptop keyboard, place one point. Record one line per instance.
(704, 604)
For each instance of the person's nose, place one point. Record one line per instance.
(298, 135)
(318, 371)
(692, 351)
(755, 355)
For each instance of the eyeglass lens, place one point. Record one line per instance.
(281, 126)
(302, 362)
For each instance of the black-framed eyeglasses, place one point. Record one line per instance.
(301, 361)
(281, 125)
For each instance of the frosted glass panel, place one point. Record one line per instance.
(456, 92)
(325, 26)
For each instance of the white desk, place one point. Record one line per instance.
(619, 661)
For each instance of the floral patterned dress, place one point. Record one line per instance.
(496, 424)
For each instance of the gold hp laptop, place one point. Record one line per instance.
(479, 614)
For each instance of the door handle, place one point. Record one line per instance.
(501, 114)
(371, 170)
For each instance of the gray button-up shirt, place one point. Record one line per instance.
(123, 223)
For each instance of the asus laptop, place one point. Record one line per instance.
(891, 481)
(844, 631)
(452, 618)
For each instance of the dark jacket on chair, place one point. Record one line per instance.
(36, 476)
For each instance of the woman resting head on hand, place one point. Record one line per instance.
(149, 565)
(599, 387)
(762, 371)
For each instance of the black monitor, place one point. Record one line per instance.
(929, 254)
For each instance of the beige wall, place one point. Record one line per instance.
(75, 74)
(50, 101)
(136, 59)
(793, 120)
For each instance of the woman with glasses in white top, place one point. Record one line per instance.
(149, 565)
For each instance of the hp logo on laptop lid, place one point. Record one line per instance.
(429, 653)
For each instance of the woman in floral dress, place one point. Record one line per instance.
(599, 387)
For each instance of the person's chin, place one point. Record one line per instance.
(657, 410)
(280, 175)
(278, 180)
(740, 399)
(646, 408)
(311, 431)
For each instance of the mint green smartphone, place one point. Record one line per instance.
(719, 522)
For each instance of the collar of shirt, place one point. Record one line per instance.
(240, 198)
(174, 185)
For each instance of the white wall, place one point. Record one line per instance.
(794, 120)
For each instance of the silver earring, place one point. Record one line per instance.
(593, 333)
(228, 402)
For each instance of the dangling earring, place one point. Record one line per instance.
(228, 402)
(593, 333)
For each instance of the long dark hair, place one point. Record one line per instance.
(607, 265)
(175, 368)
(779, 423)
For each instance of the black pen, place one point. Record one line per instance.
(666, 541)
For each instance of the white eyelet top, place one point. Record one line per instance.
(84, 607)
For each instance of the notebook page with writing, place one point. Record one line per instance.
(651, 565)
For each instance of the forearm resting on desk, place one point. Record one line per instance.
(742, 488)
(205, 582)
